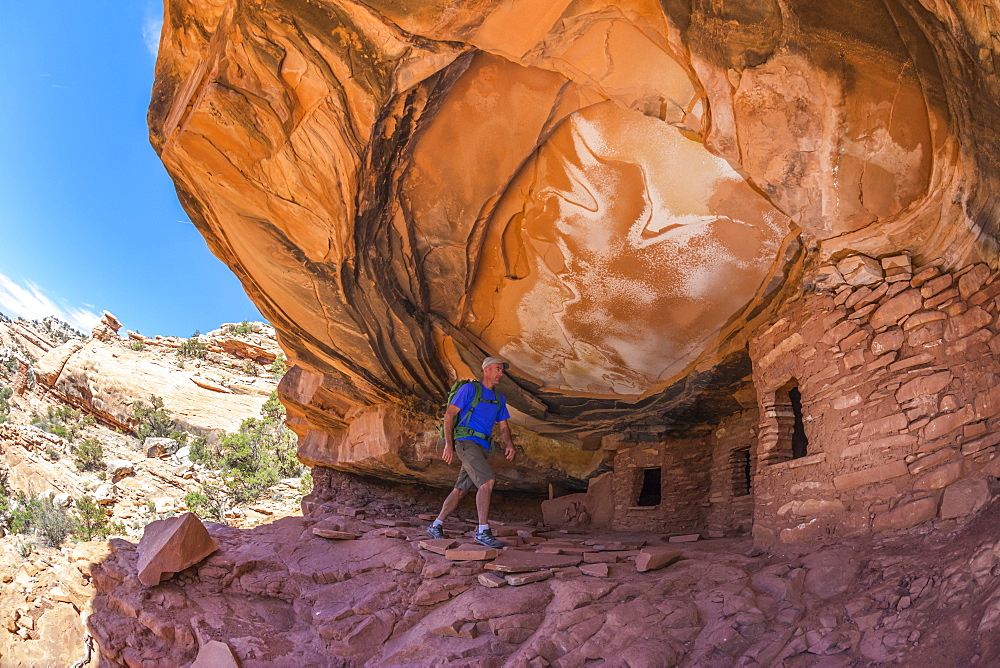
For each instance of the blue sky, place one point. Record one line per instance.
(88, 216)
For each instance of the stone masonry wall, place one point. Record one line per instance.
(732, 494)
(899, 376)
(684, 474)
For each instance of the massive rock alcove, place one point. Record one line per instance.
(613, 196)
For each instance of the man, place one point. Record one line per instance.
(472, 443)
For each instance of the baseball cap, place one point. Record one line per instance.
(495, 360)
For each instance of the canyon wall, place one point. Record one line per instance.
(628, 201)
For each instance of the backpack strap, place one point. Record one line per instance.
(462, 429)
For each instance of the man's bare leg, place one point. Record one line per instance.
(452, 501)
(483, 501)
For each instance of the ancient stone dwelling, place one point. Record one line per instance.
(741, 256)
(875, 408)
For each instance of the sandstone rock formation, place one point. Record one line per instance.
(105, 375)
(610, 195)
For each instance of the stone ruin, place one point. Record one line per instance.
(741, 257)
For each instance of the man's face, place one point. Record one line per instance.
(493, 372)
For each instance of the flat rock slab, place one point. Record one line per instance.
(688, 538)
(565, 549)
(392, 523)
(471, 553)
(519, 579)
(491, 580)
(595, 570)
(438, 545)
(171, 545)
(334, 534)
(215, 654)
(652, 558)
(522, 562)
(459, 629)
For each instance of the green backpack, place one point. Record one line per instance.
(461, 428)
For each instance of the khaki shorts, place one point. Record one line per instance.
(475, 470)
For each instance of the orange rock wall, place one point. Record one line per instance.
(605, 193)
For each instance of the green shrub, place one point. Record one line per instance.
(5, 393)
(154, 420)
(278, 367)
(210, 501)
(63, 421)
(250, 368)
(306, 484)
(91, 520)
(137, 345)
(46, 520)
(201, 453)
(193, 347)
(259, 454)
(52, 453)
(243, 328)
(89, 456)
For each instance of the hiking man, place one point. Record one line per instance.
(468, 425)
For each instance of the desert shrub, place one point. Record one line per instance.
(201, 453)
(193, 347)
(52, 453)
(250, 368)
(46, 520)
(154, 420)
(89, 456)
(243, 328)
(306, 484)
(259, 454)
(5, 393)
(63, 421)
(209, 501)
(91, 519)
(137, 345)
(279, 366)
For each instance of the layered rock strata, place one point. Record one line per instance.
(606, 194)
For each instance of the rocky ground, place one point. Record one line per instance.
(47, 592)
(355, 581)
(282, 594)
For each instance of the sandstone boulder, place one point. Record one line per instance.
(159, 447)
(171, 545)
(965, 497)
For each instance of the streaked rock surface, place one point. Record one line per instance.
(606, 194)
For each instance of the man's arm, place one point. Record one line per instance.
(450, 414)
(507, 441)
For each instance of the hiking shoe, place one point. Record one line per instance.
(435, 531)
(485, 537)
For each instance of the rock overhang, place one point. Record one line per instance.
(605, 195)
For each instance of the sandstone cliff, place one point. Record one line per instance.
(608, 195)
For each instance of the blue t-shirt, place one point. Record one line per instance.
(484, 416)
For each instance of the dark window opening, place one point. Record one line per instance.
(741, 472)
(649, 493)
(799, 441)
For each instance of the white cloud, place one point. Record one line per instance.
(151, 28)
(30, 302)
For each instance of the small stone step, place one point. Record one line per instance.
(594, 570)
(334, 534)
(471, 553)
(652, 558)
(492, 580)
(438, 545)
(527, 578)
